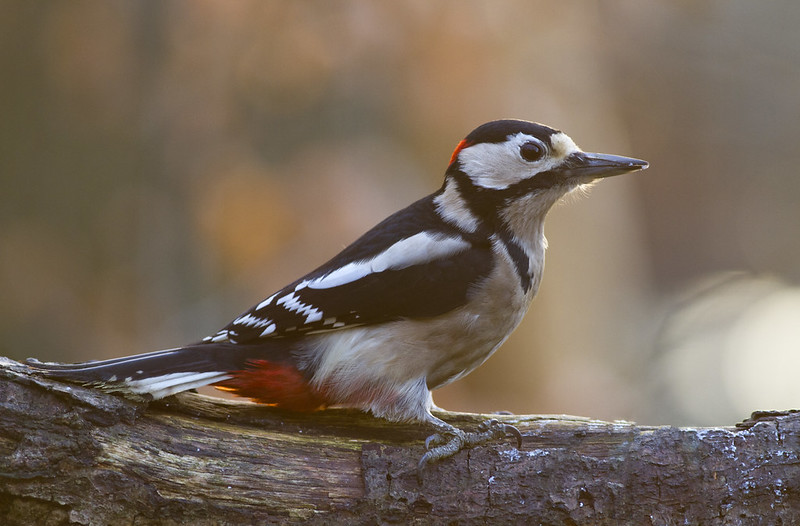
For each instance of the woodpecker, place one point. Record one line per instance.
(418, 301)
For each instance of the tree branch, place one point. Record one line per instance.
(69, 454)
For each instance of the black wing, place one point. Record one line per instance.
(394, 271)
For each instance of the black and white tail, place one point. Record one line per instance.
(160, 373)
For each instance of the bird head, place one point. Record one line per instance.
(501, 154)
(505, 162)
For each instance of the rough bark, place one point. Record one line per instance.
(74, 455)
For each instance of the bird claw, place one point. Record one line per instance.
(436, 439)
(440, 447)
(445, 450)
(493, 428)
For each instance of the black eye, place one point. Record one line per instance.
(532, 151)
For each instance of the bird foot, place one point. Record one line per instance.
(450, 440)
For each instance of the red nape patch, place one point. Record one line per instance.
(276, 384)
(463, 144)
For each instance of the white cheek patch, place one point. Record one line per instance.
(494, 165)
(418, 249)
(499, 165)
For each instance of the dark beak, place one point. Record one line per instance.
(589, 166)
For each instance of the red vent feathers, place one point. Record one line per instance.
(276, 384)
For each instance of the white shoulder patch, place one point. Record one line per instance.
(418, 249)
(452, 207)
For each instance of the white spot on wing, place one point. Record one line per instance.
(221, 336)
(315, 315)
(269, 330)
(248, 320)
(415, 250)
(291, 302)
(301, 285)
(266, 302)
(342, 275)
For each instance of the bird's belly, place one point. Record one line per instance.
(389, 369)
(483, 334)
(485, 325)
(360, 360)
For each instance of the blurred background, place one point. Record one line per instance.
(167, 164)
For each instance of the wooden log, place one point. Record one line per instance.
(70, 454)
